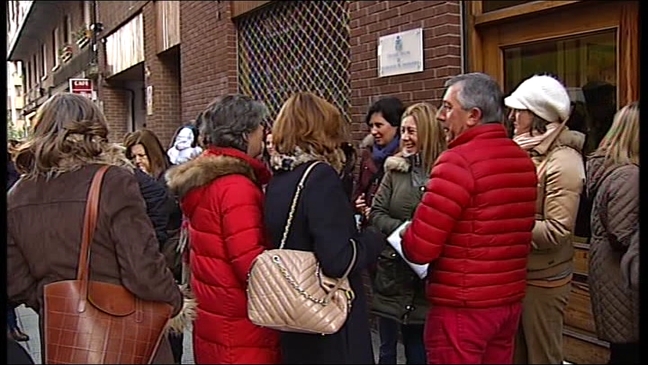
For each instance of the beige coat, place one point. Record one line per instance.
(559, 190)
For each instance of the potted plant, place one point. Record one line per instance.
(81, 37)
(65, 53)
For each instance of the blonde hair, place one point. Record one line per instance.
(620, 146)
(311, 124)
(429, 131)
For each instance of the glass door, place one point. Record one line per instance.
(587, 66)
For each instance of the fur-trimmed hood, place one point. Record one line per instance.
(397, 163)
(203, 170)
(367, 142)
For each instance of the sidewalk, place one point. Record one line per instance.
(28, 322)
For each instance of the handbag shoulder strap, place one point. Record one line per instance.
(89, 226)
(293, 205)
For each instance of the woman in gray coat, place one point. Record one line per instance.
(399, 294)
(613, 185)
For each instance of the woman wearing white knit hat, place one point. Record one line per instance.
(540, 106)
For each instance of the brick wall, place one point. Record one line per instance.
(164, 77)
(442, 52)
(208, 54)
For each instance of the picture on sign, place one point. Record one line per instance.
(400, 53)
(81, 87)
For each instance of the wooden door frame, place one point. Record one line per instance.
(541, 20)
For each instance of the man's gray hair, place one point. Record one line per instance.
(478, 90)
(229, 119)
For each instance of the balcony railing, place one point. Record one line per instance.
(78, 63)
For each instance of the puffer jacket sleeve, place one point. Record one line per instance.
(445, 197)
(379, 216)
(242, 214)
(143, 268)
(565, 175)
(331, 224)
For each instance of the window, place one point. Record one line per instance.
(30, 74)
(586, 64)
(57, 46)
(44, 59)
(36, 69)
(66, 30)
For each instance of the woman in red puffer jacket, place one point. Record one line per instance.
(221, 197)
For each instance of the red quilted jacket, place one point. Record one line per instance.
(475, 220)
(223, 202)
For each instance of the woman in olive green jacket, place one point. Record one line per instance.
(399, 294)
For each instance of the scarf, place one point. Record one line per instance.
(380, 154)
(526, 141)
(289, 162)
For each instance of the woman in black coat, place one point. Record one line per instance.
(309, 129)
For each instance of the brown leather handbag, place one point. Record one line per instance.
(90, 322)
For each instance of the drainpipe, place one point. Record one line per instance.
(96, 28)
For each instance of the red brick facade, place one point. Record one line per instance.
(208, 54)
(442, 52)
(206, 66)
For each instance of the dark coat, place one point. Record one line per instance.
(12, 174)
(45, 220)
(16, 353)
(324, 224)
(156, 198)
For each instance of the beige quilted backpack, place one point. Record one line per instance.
(287, 290)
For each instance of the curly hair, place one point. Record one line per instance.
(69, 131)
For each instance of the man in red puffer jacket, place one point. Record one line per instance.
(474, 227)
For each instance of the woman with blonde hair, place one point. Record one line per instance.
(613, 186)
(308, 130)
(399, 294)
(45, 211)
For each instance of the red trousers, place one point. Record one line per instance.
(471, 336)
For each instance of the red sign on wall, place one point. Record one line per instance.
(81, 87)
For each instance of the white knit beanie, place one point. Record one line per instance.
(544, 96)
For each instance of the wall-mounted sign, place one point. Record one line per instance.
(81, 87)
(400, 53)
(149, 100)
